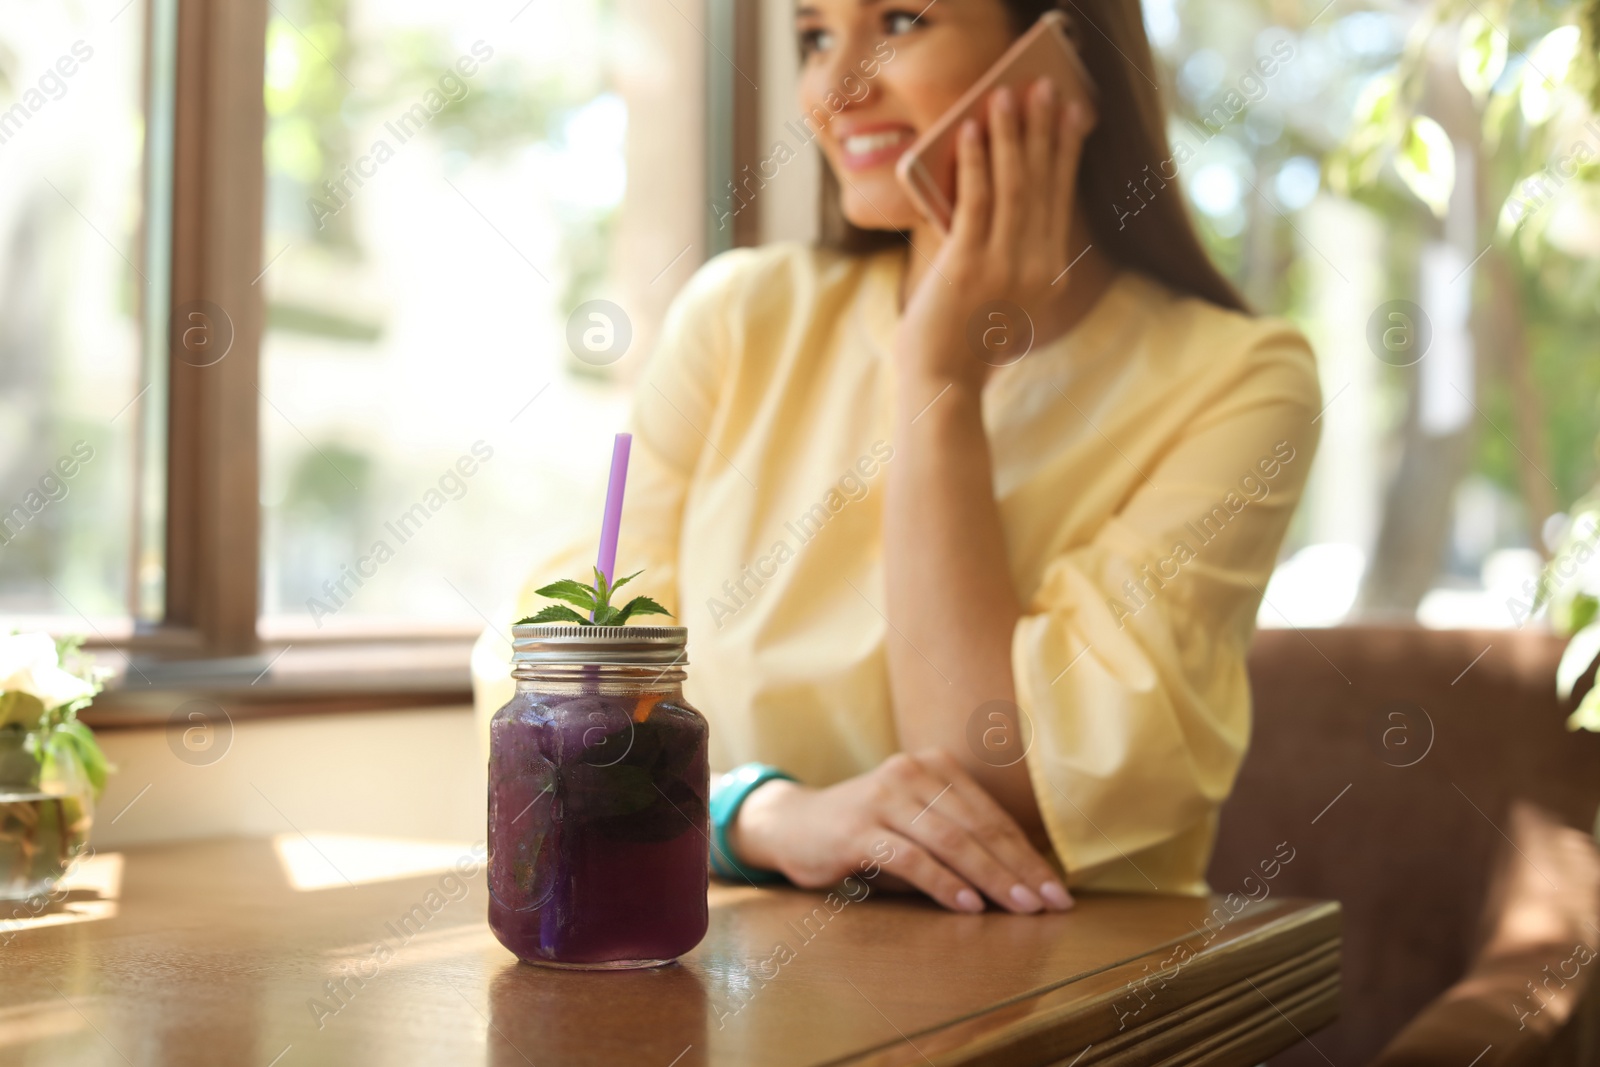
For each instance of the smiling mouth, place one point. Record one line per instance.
(862, 150)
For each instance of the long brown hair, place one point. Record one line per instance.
(1128, 145)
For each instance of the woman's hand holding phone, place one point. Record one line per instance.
(921, 817)
(1009, 235)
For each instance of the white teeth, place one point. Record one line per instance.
(865, 143)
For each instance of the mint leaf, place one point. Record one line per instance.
(640, 605)
(596, 599)
(556, 613)
(620, 582)
(572, 592)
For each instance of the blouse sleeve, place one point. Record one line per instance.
(1129, 659)
(675, 409)
(674, 403)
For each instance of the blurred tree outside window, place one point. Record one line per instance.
(71, 145)
(446, 185)
(1415, 185)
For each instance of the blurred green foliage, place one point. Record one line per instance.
(322, 481)
(1351, 101)
(325, 83)
(308, 54)
(1533, 73)
(340, 75)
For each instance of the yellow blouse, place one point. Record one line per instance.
(1146, 466)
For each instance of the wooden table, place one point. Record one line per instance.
(207, 954)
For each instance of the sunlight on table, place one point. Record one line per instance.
(335, 861)
(88, 891)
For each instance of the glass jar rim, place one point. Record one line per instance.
(535, 644)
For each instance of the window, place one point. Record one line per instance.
(72, 286)
(288, 281)
(439, 190)
(445, 188)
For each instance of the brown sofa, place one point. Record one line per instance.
(1436, 793)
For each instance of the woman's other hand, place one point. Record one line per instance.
(922, 818)
(1010, 238)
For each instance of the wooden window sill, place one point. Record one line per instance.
(310, 677)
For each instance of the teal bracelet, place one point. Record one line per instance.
(728, 794)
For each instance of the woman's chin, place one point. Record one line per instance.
(873, 212)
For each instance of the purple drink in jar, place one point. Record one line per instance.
(598, 781)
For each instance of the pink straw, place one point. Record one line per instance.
(612, 522)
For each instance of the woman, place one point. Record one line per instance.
(989, 620)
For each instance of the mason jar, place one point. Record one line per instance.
(598, 782)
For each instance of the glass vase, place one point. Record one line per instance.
(45, 818)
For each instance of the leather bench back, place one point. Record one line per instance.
(1389, 758)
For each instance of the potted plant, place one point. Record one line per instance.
(51, 768)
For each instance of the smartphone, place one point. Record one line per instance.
(928, 168)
